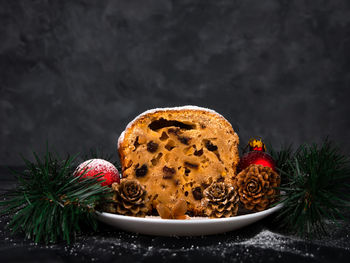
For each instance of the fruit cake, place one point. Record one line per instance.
(175, 153)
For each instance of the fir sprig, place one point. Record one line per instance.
(50, 203)
(282, 159)
(314, 189)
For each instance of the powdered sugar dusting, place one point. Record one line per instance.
(121, 138)
(187, 107)
(98, 164)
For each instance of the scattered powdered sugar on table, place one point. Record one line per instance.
(249, 244)
(250, 248)
(269, 240)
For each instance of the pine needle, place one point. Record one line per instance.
(314, 188)
(50, 203)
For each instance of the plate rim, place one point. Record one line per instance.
(191, 221)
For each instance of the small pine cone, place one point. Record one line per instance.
(221, 200)
(256, 187)
(129, 199)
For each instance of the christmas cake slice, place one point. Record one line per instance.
(175, 153)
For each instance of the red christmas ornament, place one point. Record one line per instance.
(256, 155)
(98, 167)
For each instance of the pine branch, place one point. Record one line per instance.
(314, 189)
(282, 158)
(50, 203)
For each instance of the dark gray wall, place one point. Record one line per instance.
(76, 72)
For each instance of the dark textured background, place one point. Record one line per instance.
(76, 72)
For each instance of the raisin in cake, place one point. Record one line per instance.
(177, 152)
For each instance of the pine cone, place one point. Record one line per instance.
(221, 200)
(256, 187)
(129, 199)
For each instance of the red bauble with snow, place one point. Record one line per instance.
(98, 167)
(256, 155)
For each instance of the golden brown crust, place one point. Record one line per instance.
(196, 140)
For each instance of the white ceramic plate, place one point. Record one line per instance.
(192, 227)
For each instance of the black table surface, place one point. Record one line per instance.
(259, 242)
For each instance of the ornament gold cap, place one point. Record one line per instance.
(256, 144)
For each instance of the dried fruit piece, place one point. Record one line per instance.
(184, 140)
(155, 160)
(168, 172)
(198, 153)
(197, 193)
(170, 145)
(164, 136)
(142, 171)
(211, 147)
(191, 165)
(136, 143)
(152, 147)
